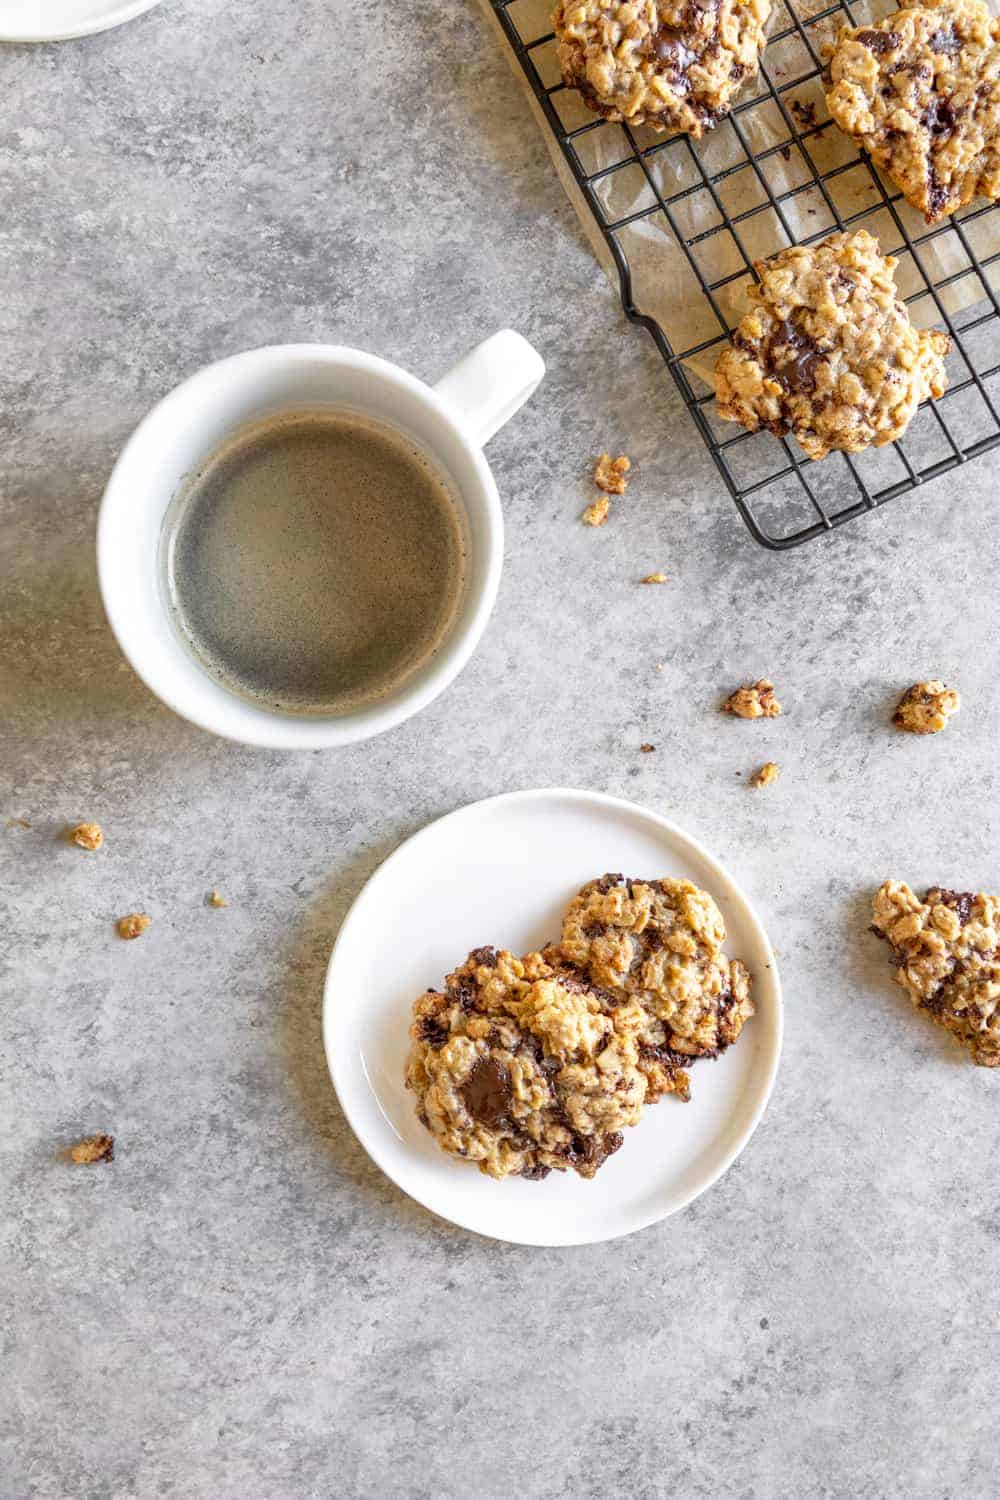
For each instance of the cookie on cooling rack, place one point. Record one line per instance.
(671, 64)
(659, 942)
(522, 1069)
(827, 351)
(920, 90)
(945, 951)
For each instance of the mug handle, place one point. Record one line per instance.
(491, 383)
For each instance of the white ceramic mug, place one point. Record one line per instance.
(449, 421)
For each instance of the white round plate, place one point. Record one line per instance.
(59, 20)
(501, 872)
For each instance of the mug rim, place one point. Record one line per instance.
(279, 731)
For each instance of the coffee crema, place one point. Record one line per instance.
(314, 562)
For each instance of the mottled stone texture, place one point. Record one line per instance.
(241, 1305)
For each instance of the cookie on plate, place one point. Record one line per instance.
(945, 949)
(827, 351)
(523, 1069)
(671, 64)
(659, 942)
(920, 90)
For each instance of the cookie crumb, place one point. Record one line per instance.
(609, 475)
(217, 899)
(134, 925)
(753, 701)
(18, 823)
(655, 578)
(597, 514)
(647, 749)
(661, 666)
(926, 707)
(768, 773)
(94, 1148)
(87, 836)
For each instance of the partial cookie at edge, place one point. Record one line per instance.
(920, 90)
(946, 953)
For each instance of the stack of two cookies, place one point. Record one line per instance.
(528, 1065)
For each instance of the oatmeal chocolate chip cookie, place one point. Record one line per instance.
(523, 1069)
(920, 90)
(828, 351)
(926, 707)
(659, 942)
(671, 64)
(946, 950)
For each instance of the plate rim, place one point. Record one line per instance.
(606, 800)
(127, 10)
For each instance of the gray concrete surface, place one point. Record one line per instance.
(242, 1306)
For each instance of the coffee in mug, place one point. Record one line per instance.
(314, 562)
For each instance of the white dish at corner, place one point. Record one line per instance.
(501, 872)
(61, 20)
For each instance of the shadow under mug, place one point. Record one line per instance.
(449, 421)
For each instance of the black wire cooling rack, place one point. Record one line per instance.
(777, 171)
